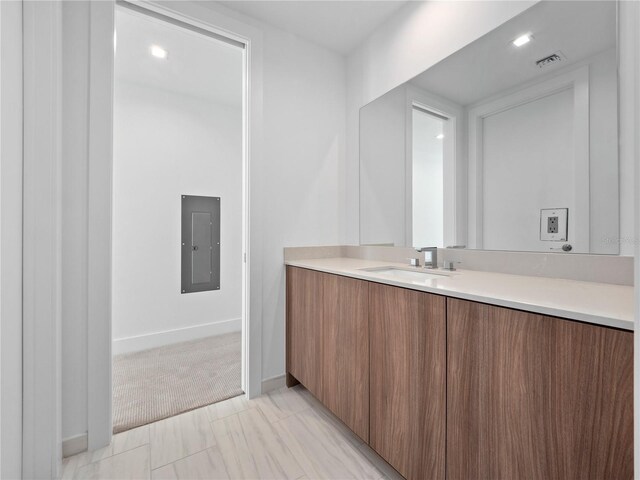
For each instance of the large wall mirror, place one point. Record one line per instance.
(509, 144)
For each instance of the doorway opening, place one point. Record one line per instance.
(428, 162)
(179, 218)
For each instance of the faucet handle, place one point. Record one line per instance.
(414, 262)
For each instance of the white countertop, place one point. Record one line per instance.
(597, 303)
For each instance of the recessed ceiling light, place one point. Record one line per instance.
(522, 39)
(158, 52)
(440, 137)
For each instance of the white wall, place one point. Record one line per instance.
(386, 200)
(304, 155)
(629, 114)
(382, 172)
(167, 144)
(605, 173)
(527, 165)
(605, 196)
(389, 206)
(418, 36)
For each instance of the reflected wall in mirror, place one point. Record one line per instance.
(502, 146)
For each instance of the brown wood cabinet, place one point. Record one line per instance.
(345, 354)
(305, 297)
(407, 385)
(441, 387)
(328, 342)
(536, 397)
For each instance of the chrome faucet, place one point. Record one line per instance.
(433, 256)
(449, 265)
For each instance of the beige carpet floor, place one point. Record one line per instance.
(165, 381)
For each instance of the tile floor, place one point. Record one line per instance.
(286, 434)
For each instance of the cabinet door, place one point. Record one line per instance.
(536, 397)
(304, 327)
(346, 351)
(407, 391)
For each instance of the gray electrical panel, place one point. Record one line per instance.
(200, 243)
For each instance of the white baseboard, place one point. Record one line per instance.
(159, 339)
(74, 445)
(273, 383)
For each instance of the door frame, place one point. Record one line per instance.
(41, 244)
(453, 164)
(100, 199)
(11, 146)
(629, 104)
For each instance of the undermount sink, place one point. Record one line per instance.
(405, 275)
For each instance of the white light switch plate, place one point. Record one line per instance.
(553, 224)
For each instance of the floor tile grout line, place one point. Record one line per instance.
(90, 454)
(225, 416)
(244, 435)
(228, 435)
(310, 459)
(285, 417)
(177, 459)
(110, 457)
(285, 445)
(201, 450)
(277, 436)
(183, 458)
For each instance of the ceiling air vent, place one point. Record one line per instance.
(551, 60)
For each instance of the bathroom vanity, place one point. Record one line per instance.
(501, 148)
(444, 379)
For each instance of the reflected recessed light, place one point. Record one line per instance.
(440, 137)
(158, 52)
(521, 40)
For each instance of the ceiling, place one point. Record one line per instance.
(491, 64)
(337, 25)
(197, 65)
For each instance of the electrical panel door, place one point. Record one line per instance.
(200, 243)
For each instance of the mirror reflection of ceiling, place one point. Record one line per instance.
(493, 64)
(192, 64)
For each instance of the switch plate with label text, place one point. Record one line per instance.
(553, 224)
